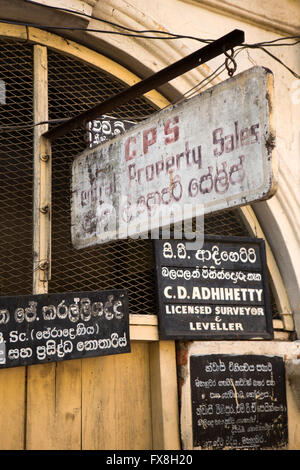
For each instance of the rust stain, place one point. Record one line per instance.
(270, 143)
(171, 178)
(182, 357)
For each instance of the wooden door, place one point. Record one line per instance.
(91, 404)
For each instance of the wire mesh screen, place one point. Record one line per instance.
(16, 167)
(74, 87)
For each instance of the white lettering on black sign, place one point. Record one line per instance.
(48, 328)
(106, 128)
(238, 401)
(216, 292)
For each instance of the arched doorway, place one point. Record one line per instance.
(128, 402)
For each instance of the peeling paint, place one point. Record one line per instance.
(210, 153)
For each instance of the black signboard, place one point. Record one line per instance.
(106, 128)
(44, 328)
(238, 402)
(219, 291)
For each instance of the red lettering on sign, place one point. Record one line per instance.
(255, 133)
(128, 155)
(221, 179)
(171, 132)
(218, 140)
(131, 171)
(151, 201)
(219, 182)
(149, 138)
(239, 138)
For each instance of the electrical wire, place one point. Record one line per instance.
(96, 30)
(140, 34)
(196, 88)
(31, 126)
(177, 36)
(187, 95)
(271, 42)
(170, 36)
(174, 36)
(126, 28)
(254, 46)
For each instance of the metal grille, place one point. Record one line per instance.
(226, 223)
(73, 87)
(16, 167)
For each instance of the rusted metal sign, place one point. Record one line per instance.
(210, 153)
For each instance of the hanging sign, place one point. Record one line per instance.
(44, 328)
(238, 402)
(209, 153)
(217, 292)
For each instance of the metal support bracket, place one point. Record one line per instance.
(206, 53)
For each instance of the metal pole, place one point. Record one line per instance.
(212, 50)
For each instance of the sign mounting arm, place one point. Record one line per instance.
(206, 53)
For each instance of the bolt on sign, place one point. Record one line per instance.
(217, 292)
(238, 402)
(210, 153)
(45, 328)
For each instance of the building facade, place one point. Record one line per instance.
(55, 62)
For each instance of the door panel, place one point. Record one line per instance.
(91, 404)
